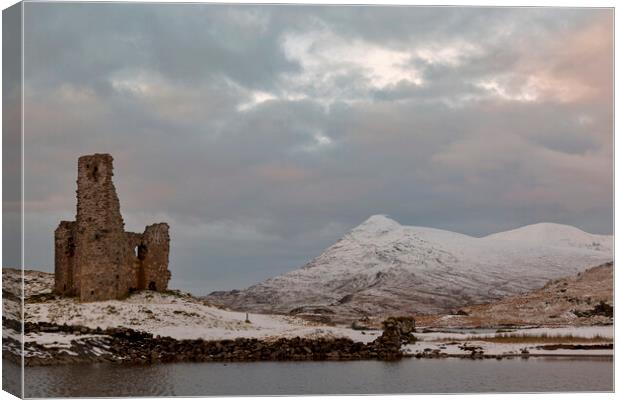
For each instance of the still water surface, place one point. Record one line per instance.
(353, 377)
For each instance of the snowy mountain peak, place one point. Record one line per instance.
(376, 224)
(381, 267)
(380, 220)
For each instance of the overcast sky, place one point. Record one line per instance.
(262, 134)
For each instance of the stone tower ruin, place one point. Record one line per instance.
(95, 259)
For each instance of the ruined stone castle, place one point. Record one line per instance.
(95, 258)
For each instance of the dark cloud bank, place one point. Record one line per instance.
(262, 134)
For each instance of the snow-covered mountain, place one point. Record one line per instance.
(382, 267)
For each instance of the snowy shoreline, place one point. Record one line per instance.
(51, 344)
(72, 329)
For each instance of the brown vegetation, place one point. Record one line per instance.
(524, 338)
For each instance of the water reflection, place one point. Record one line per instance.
(354, 377)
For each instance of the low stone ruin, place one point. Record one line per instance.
(397, 331)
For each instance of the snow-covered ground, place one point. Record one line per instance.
(381, 267)
(587, 332)
(500, 349)
(189, 318)
(182, 316)
(450, 342)
(175, 314)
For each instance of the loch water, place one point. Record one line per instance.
(452, 375)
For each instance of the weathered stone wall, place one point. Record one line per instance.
(153, 254)
(134, 240)
(101, 249)
(149, 252)
(64, 246)
(95, 258)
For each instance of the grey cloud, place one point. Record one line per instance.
(190, 43)
(258, 191)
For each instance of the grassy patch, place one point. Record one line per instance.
(176, 293)
(524, 338)
(36, 298)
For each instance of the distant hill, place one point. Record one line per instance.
(583, 299)
(382, 267)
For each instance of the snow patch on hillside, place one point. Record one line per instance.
(551, 234)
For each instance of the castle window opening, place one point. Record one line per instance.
(142, 250)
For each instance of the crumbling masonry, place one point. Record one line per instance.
(95, 258)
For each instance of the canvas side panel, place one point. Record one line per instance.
(12, 277)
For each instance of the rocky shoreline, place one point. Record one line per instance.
(73, 344)
(125, 345)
